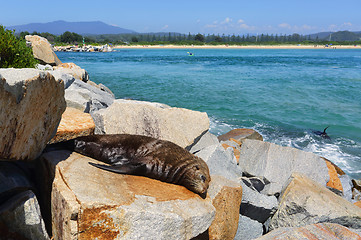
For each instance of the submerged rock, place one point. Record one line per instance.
(31, 103)
(241, 134)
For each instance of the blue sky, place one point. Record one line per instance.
(197, 16)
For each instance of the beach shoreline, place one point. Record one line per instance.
(236, 47)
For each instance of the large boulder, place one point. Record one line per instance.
(306, 202)
(221, 162)
(42, 50)
(329, 231)
(20, 218)
(74, 123)
(226, 197)
(73, 70)
(87, 98)
(275, 164)
(90, 203)
(31, 103)
(178, 125)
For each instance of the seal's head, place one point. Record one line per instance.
(197, 177)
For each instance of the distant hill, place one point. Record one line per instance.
(337, 36)
(320, 35)
(83, 28)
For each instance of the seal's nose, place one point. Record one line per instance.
(203, 195)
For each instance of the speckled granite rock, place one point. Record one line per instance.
(178, 125)
(31, 103)
(90, 203)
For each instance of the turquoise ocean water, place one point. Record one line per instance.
(283, 94)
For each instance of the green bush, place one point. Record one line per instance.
(13, 51)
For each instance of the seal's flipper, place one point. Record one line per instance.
(120, 168)
(324, 130)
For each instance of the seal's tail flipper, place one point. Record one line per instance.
(324, 130)
(118, 168)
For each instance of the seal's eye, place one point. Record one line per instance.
(197, 167)
(203, 178)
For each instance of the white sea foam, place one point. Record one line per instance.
(219, 127)
(331, 150)
(306, 141)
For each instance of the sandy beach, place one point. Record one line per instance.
(237, 47)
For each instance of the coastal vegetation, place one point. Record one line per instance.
(338, 38)
(13, 51)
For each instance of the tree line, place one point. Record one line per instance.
(181, 39)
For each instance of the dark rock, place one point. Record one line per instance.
(257, 206)
(255, 183)
(20, 217)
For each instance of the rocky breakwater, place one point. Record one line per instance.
(31, 103)
(287, 191)
(257, 189)
(87, 203)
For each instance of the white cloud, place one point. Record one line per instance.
(228, 26)
(244, 26)
(165, 27)
(284, 25)
(302, 29)
(227, 20)
(211, 26)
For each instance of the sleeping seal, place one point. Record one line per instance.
(145, 156)
(322, 134)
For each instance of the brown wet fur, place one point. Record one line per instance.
(146, 156)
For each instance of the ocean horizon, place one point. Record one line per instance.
(284, 94)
